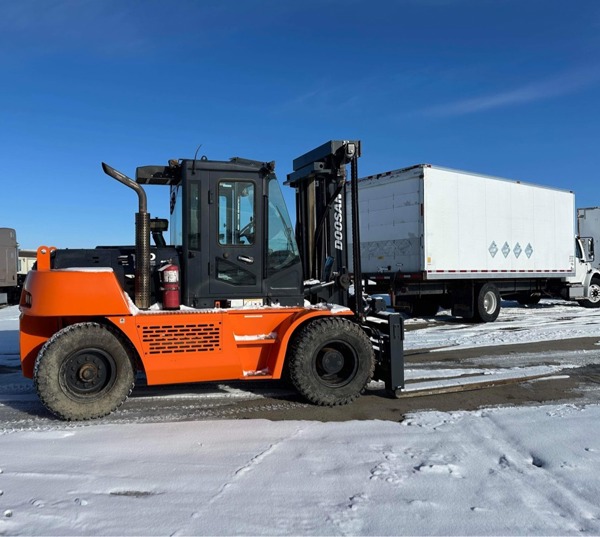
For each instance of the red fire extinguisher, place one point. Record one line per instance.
(169, 280)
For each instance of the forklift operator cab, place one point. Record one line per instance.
(239, 218)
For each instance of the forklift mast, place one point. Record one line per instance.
(320, 181)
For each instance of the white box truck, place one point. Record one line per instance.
(433, 236)
(588, 227)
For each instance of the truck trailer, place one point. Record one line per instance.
(8, 266)
(433, 236)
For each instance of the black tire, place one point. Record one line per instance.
(84, 371)
(594, 295)
(330, 361)
(529, 299)
(487, 304)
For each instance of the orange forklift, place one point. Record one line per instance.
(238, 294)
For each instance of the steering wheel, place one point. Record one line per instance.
(247, 232)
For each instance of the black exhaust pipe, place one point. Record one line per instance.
(142, 239)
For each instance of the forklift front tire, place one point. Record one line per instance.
(331, 361)
(84, 371)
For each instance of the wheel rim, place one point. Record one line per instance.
(594, 293)
(88, 372)
(490, 302)
(336, 364)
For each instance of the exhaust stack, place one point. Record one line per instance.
(142, 239)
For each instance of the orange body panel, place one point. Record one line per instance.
(173, 346)
(211, 345)
(33, 333)
(52, 299)
(58, 293)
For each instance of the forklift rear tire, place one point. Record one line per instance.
(84, 371)
(331, 361)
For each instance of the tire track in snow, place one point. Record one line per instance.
(550, 500)
(236, 477)
(252, 464)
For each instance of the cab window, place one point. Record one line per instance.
(236, 213)
(282, 250)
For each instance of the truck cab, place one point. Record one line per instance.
(584, 247)
(585, 285)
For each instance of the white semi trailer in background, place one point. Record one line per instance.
(8, 265)
(433, 236)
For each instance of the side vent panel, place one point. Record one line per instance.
(182, 338)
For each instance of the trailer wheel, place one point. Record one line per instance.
(331, 361)
(593, 300)
(84, 371)
(487, 306)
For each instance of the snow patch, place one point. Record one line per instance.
(257, 337)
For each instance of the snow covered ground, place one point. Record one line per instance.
(548, 321)
(523, 471)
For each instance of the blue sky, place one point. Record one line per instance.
(502, 87)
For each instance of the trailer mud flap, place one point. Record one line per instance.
(463, 301)
(387, 334)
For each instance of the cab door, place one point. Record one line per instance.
(235, 243)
